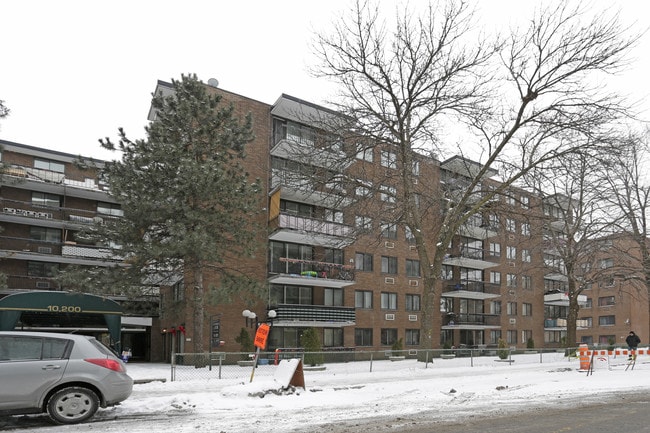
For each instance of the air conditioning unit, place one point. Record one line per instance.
(390, 317)
(511, 264)
(389, 244)
(45, 250)
(415, 181)
(389, 280)
(413, 317)
(42, 284)
(513, 321)
(511, 292)
(414, 283)
(413, 247)
(511, 237)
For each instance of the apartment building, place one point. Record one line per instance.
(46, 199)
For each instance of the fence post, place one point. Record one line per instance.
(173, 367)
(371, 353)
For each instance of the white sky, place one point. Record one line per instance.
(347, 395)
(73, 71)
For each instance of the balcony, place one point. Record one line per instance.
(560, 324)
(467, 289)
(297, 187)
(476, 321)
(56, 252)
(313, 316)
(306, 146)
(304, 230)
(312, 273)
(562, 299)
(472, 258)
(24, 282)
(27, 213)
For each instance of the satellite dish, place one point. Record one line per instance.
(213, 82)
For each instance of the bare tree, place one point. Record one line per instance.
(521, 102)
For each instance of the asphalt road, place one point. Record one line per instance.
(626, 413)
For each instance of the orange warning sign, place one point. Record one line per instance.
(262, 335)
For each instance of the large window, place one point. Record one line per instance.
(333, 297)
(388, 336)
(363, 262)
(286, 258)
(363, 337)
(363, 299)
(388, 301)
(389, 230)
(298, 295)
(388, 159)
(412, 268)
(412, 337)
(388, 265)
(46, 164)
(42, 269)
(332, 337)
(295, 208)
(45, 199)
(606, 301)
(109, 209)
(45, 234)
(607, 320)
(412, 302)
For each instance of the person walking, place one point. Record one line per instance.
(633, 342)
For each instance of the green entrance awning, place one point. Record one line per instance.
(60, 309)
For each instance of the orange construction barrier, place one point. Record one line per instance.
(584, 357)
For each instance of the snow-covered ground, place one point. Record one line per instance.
(343, 393)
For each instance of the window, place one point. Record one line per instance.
(45, 199)
(363, 262)
(363, 299)
(525, 229)
(495, 307)
(511, 280)
(364, 153)
(335, 216)
(525, 202)
(511, 200)
(495, 249)
(511, 308)
(412, 268)
(46, 164)
(388, 336)
(526, 309)
(363, 222)
(511, 336)
(606, 301)
(415, 168)
(363, 188)
(494, 221)
(495, 336)
(45, 234)
(526, 282)
(18, 348)
(363, 337)
(42, 269)
(495, 277)
(447, 272)
(332, 337)
(387, 193)
(388, 159)
(178, 291)
(333, 297)
(388, 301)
(606, 282)
(412, 337)
(109, 209)
(511, 253)
(388, 230)
(589, 303)
(525, 256)
(606, 263)
(412, 302)
(607, 320)
(295, 295)
(410, 238)
(295, 208)
(587, 322)
(606, 339)
(511, 225)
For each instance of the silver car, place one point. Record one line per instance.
(66, 375)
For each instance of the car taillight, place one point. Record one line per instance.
(111, 364)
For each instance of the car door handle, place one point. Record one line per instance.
(51, 367)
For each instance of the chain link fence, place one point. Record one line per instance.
(240, 366)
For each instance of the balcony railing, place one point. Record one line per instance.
(25, 209)
(23, 282)
(62, 249)
(49, 176)
(478, 319)
(314, 313)
(306, 224)
(314, 269)
(473, 286)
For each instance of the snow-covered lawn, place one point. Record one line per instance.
(445, 389)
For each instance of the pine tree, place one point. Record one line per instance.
(185, 198)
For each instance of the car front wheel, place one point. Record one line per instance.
(72, 405)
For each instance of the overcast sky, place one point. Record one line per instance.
(73, 71)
